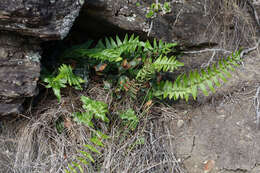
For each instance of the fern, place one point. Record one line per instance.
(87, 153)
(154, 60)
(163, 63)
(186, 85)
(111, 50)
(158, 48)
(93, 109)
(65, 76)
(130, 119)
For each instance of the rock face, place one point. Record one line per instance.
(46, 19)
(19, 71)
(24, 24)
(193, 22)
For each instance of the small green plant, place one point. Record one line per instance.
(65, 76)
(92, 109)
(129, 119)
(157, 7)
(87, 153)
(138, 66)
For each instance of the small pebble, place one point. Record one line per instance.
(180, 123)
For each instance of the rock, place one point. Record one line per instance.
(192, 23)
(209, 165)
(180, 123)
(45, 19)
(19, 71)
(23, 25)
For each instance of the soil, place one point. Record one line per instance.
(222, 130)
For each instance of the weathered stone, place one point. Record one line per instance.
(46, 19)
(192, 23)
(19, 70)
(20, 54)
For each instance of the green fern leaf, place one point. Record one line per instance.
(100, 45)
(83, 160)
(87, 155)
(91, 148)
(65, 72)
(72, 168)
(163, 63)
(96, 108)
(119, 42)
(84, 118)
(95, 140)
(185, 85)
(64, 76)
(108, 45)
(78, 166)
(101, 135)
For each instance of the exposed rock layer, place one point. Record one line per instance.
(46, 19)
(19, 70)
(25, 23)
(192, 23)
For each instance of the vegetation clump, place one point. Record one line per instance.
(134, 68)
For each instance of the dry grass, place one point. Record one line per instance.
(35, 146)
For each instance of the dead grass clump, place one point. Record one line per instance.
(149, 150)
(36, 145)
(233, 24)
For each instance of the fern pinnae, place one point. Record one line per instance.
(186, 85)
(163, 63)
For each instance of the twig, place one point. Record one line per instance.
(207, 50)
(177, 17)
(150, 28)
(208, 63)
(246, 51)
(257, 107)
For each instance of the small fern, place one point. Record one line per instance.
(87, 153)
(64, 76)
(129, 119)
(93, 109)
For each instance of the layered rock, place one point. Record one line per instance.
(24, 24)
(45, 19)
(19, 71)
(192, 23)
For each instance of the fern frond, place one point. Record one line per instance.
(158, 47)
(65, 72)
(96, 108)
(111, 50)
(186, 85)
(86, 153)
(111, 55)
(163, 63)
(146, 73)
(65, 75)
